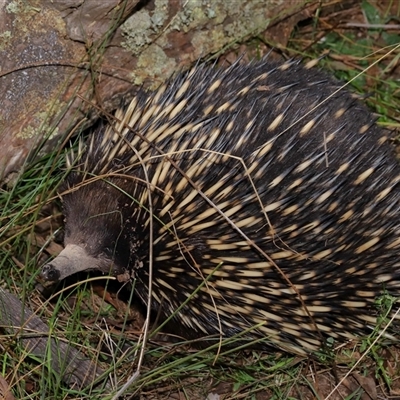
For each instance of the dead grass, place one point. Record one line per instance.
(356, 37)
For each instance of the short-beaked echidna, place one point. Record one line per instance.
(270, 188)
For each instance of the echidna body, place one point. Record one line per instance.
(271, 191)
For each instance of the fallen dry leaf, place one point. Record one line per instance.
(5, 392)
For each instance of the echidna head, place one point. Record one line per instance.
(98, 233)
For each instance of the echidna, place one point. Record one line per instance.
(271, 195)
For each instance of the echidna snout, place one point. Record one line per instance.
(272, 196)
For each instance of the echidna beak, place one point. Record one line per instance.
(50, 273)
(71, 260)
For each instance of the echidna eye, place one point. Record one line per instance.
(108, 251)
